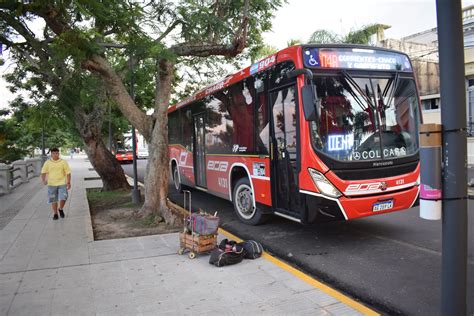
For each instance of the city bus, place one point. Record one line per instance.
(124, 152)
(311, 133)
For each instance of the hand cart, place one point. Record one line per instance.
(192, 241)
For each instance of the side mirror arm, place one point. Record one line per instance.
(311, 106)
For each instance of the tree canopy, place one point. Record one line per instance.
(167, 38)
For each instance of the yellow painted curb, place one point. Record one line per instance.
(306, 278)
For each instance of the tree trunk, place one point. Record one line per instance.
(104, 163)
(155, 130)
(156, 178)
(108, 168)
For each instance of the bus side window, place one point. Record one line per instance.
(242, 112)
(219, 124)
(186, 129)
(174, 128)
(263, 121)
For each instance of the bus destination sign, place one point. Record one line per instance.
(355, 58)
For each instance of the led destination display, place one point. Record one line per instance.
(355, 58)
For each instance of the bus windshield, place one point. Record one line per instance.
(366, 118)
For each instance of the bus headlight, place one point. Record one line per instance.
(323, 184)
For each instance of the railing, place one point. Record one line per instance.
(20, 171)
(13, 178)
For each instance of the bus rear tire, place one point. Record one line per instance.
(177, 185)
(242, 198)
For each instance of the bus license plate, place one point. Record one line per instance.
(382, 206)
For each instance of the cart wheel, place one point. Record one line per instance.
(192, 255)
(180, 251)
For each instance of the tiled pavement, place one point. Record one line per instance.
(56, 268)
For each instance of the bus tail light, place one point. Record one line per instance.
(323, 184)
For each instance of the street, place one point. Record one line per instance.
(391, 262)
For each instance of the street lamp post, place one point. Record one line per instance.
(43, 152)
(135, 190)
(110, 127)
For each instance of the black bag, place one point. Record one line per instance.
(226, 254)
(252, 249)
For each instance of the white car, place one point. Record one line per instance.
(142, 153)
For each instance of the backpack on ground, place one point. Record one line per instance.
(228, 253)
(252, 249)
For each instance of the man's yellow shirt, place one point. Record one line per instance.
(57, 171)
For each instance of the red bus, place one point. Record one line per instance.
(311, 133)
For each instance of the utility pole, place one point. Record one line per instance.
(110, 127)
(453, 119)
(135, 191)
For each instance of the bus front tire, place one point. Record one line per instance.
(243, 204)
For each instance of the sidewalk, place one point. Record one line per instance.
(56, 268)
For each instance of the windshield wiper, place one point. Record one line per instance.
(354, 84)
(395, 85)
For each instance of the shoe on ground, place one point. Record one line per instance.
(55, 217)
(61, 213)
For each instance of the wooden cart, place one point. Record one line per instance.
(193, 242)
(196, 243)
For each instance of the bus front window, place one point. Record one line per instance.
(366, 118)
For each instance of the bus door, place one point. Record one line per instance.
(283, 140)
(199, 150)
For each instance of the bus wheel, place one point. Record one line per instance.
(243, 204)
(177, 184)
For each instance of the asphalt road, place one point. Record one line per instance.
(391, 262)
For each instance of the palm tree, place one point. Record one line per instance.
(357, 36)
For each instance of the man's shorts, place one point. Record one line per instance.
(56, 193)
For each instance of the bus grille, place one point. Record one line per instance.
(371, 173)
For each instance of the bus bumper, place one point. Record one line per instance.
(368, 206)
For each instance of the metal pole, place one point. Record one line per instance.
(43, 152)
(110, 127)
(135, 191)
(453, 118)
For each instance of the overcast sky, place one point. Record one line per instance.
(298, 19)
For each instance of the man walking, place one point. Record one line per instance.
(57, 175)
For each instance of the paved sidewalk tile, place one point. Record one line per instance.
(55, 268)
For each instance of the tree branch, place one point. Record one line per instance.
(119, 93)
(168, 30)
(26, 33)
(207, 49)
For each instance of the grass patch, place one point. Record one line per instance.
(114, 216)
(100, 200)
(150, 220)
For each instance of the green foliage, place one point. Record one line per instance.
(355, 36)
(293, 42)
(262, 52)
(324, 37)
(51, 66)
(362, 35)
(28, 122)
(9, 133)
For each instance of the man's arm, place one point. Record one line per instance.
(68, 181)
(43, 178)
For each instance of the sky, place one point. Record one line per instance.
(298, 19)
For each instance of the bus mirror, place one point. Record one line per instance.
(309, 104)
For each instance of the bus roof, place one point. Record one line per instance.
(289, 53)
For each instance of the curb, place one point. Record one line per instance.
(308, 279)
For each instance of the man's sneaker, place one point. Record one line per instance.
(61, 213)
(55, 217)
